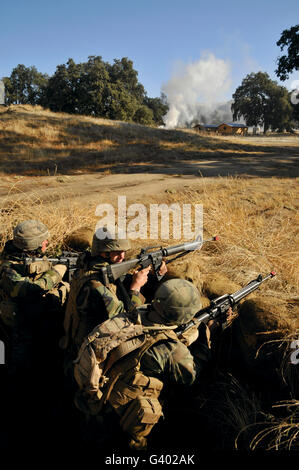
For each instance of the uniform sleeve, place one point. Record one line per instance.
(98, 302)
(15, 284)
(172, 362)
(137, 298)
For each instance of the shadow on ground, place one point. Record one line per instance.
(139, 149)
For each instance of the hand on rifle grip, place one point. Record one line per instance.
(139, 278)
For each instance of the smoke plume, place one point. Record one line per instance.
(196, 93)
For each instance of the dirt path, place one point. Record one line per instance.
(92, 188)
(142, 180)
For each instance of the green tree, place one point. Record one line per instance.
(62, 93)
(288, 62)
(93, 87)
(261, 101)
(122, 73)
(25, 85)
(144, 115)
(120, 105)
(159, 108)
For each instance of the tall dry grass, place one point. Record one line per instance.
(257, 225)
(33, 139)
(282, 433)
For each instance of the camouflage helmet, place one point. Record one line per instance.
(176, 301)
(104, 241)
(30, 234)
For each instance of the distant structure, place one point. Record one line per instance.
(233, 128)
(2, 92)
(230, 128)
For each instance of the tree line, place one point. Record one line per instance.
(113, 91)
(262, 101)
(94, 88)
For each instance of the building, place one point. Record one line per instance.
(232, 128)
(206, 128)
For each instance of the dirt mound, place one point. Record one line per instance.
(262, 335)
(189, 270)
(215, 285)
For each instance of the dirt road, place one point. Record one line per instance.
(139, 181)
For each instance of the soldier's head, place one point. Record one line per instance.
(31, 235)
(107, 246)
(176, 302)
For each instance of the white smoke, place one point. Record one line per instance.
(197, 92)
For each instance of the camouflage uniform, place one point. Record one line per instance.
(176, 301)
(127, 364)
(27, 294)
(91, 302)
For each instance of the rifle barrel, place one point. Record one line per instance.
(221, 304)
(173, 250)
(251, 287)
(189, 246)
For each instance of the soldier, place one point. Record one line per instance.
(29, 293)
(91, 302)
(144, 362)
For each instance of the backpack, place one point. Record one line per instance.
(109, 342)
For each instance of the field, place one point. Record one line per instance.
(58, 168)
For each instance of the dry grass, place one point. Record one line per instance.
(33, 140)
(256, 218)
(62, 217)
(257, 225)
(281, 434)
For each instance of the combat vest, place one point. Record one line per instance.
(9, 307)
(109, 360)
(53, 299)
(72, 318)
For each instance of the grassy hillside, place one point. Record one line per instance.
(34, 141)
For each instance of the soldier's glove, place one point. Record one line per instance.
(189, 336)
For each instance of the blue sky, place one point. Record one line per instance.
(155, 34)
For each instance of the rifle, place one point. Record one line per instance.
(218, 308)
(68, 258)
(146, 258)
